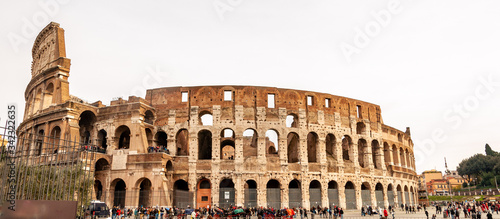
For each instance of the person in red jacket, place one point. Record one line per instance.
(385, 213)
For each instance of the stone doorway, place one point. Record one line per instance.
(203, 194)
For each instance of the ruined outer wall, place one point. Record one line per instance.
(248, 109)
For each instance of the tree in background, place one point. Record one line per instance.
(482, 167)
(490, 152)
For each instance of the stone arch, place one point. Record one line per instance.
(387, 154)
(182, 142)
(272, 139)
(102, 139)
(86, 122)
(149, 117)
(330, 145)
(102, 165)
(250, 142)
(376, 155)
(145, 189)
(350, 195)
(55, 138)
(123, 133)
(206, 118)
(379, 195)
(390, 194)
(48, 95)
(407, 195)
(161, 139)
(149, 137)
(204, 193)
(402, 157)
(227, 144)
(38, 101)
(204, 145)
(333, 194)
(315, 193)
(362, 153)
(119, 189)
(400, 194)
(273, 191)
(360, 128)
(294, 194)
(98, 189)
(182, 196)
(347, 152)
(227, 193)
(169, 167)
(293, 147)
(366, 198)
(312, 147)
(395, 155)
(292, 120)
(251, 195)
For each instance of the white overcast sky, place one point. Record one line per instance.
(423, 65)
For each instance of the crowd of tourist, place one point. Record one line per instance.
(452, 210)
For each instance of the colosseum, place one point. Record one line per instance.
(223, 145)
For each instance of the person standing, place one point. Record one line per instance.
(341, 213)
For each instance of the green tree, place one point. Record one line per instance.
(489, 151)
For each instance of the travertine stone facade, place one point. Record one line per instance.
(239, 145)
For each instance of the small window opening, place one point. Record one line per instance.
(228, 95)
(184, 96)
(309, 100)
(270, 100)
(358, 108)
(327, 102)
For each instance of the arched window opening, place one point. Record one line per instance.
(350, 195)
(227, 150)
(250, 194)
(47, 96)
(330, 143)
(226, 195)
(124, 137)
(362, 153)
(250, 139)
(294, 194)
(206, 119)
(149, 117)
(144, 193)
(376, 155)
(360, 128)
(182, 142)
(390, 194)
(366, 197)
(387, 154)
(119, 193)
(169, 167)
(379, 195)
(161, 139)
(86, 123)
(54, 139)
(39, 142)
(273, 198)
(271, 142)
(333, 193)
(38, 99)
(292, 121)
(395, 155)
(102, 138)
(293, 147)
(312, 144)
(315, 193)
(98, 189)
(346, 148)
(181, 196)
(400, 137)
(149, 137)
(402, 157)
(204, 145)
(101, 164)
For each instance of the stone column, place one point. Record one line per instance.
(325, 202)
(373, 197)
(305, 193)
(239, 190)
(342, 199)
(261, 191)
(321, 147)
(386, 196)
(284, 196)
(359, 200)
